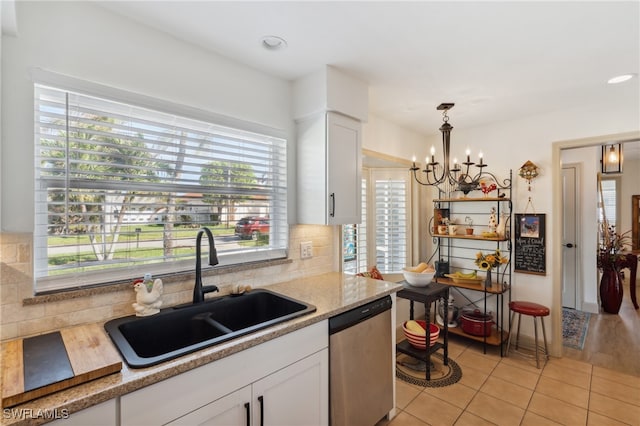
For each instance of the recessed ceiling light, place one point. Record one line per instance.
(620, 78)
(271, 42)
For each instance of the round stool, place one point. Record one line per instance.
(533, 310)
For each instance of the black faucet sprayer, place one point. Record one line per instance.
(199, 290)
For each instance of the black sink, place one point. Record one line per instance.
(146, 341)
(256, 309)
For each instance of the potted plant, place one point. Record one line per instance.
(469, 228)
(610, 261)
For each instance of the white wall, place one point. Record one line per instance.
(383, 136)
(87, 42)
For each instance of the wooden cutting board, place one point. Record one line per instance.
(40, 365)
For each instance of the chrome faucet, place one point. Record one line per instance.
(199, 290)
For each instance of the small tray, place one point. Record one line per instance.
(460, 280)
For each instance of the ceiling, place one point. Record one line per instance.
(496, 60)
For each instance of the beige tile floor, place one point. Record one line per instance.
(577, 389)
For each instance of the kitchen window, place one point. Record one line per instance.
(355, 239)
(385, 221)
(122, 189)
(609, 209)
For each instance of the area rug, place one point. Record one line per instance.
(413, 371)
(575, 325)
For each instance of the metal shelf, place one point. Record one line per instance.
(494, 339)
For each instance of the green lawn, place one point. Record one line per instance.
(147, 233)
(129, 234)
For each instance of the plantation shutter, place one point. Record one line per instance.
(122, 189)
(391, 198)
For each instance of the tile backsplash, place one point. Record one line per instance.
(22, 314)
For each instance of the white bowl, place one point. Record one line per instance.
(418, 279)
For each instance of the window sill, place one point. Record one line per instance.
(69, 294)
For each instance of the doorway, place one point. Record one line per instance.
(571, 291)
(588, 233)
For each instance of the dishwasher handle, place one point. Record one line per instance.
(359, 314)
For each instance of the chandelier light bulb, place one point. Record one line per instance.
(447, 176)
(613, 156)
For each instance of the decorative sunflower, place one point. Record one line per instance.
(489, 261)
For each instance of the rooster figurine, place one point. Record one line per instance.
(148, 301)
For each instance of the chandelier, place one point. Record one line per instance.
(461, 177)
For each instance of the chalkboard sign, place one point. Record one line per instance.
(530, 250)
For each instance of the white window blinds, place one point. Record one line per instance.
(391, 220)
(386, 219)
(122, 190)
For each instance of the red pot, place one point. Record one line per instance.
(476, 323)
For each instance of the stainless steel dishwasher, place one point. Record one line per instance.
(361, 365)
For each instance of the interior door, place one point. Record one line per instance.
(570, 221)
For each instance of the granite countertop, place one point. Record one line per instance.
(331, 293)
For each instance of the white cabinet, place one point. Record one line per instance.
(296, 395)
(97, 415)
(232, 409)
(329, 170)
(291, 396)
(290, 372)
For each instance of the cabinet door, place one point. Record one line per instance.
(232, 409)
(296, 395)
(101, 414)
(344, 164)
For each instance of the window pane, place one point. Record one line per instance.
(121, 187)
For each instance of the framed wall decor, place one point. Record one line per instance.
(530, 244)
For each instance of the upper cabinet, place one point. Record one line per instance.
(329, 170)
(329, 107)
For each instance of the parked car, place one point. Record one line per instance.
(252, 227)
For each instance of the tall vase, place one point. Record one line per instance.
(487, 280)
(611, 290)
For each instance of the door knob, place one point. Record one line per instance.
(569, 245)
